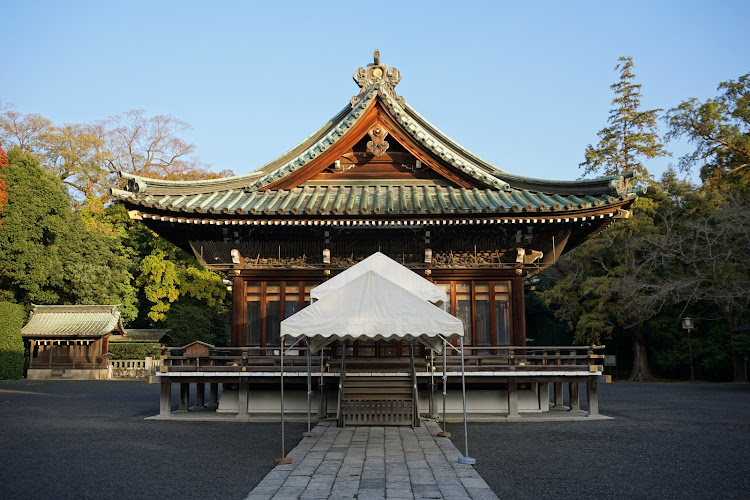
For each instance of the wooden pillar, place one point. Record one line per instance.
(575, 404)
(518, 311)
(184, 396)
(165, 399)
(200, 395)
(513, 397)
(543, 396)
(593, 396)
(32, 343)
(213, 393)
(559, 395)
(239, 312)
(243, 393)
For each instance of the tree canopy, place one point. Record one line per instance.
(720, 130)
(47, 255)
(3, 185)
(631, 137)
(88, 157)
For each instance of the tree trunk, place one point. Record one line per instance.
(641, 371)
(738, 361)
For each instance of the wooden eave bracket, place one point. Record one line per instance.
(623, 214)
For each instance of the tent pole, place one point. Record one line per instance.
(444, 433)
(465, 459)
(309, 386)
(433, 411)
(445, 379)
(321, 391)
(283, 460)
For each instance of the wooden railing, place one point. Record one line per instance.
(525, 358)
(477, 358)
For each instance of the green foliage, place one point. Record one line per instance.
(586, 295)
(133, 350)
(3, 185)
(189, 319)
(720, 130)
(12, 317)
(203, 285)
(47, 253)
(631, 135)
(541, 324)
(159, 281)
(36, 223)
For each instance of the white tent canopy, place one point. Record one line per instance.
(389, 269)
(372, 307)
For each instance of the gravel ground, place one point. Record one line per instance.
(668, 440)
(89, 439)
(65, 439)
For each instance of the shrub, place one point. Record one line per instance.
(12, 317)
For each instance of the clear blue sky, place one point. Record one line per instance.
(524, 85)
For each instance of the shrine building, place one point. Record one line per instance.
(378, 177)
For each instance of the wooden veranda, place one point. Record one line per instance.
(503, 369)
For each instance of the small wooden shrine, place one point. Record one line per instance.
(69, 341)
(376, 177)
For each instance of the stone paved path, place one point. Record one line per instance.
(371, 463)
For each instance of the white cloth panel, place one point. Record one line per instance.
(389, 269)
(372, 307)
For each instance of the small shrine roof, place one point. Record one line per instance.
(73, 321)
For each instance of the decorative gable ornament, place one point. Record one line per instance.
(379, 76)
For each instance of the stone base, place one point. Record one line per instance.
(67, 374)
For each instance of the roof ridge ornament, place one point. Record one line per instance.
(376, 75)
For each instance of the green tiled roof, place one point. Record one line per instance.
(372, 200)
(249, 194)
(73, 321)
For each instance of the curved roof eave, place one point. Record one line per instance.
(237, 181)
(580, 186)
(434, 142)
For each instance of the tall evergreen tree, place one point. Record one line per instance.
(631, 136)
(720, 130)
(588, 297)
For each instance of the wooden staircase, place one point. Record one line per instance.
(381, 400)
